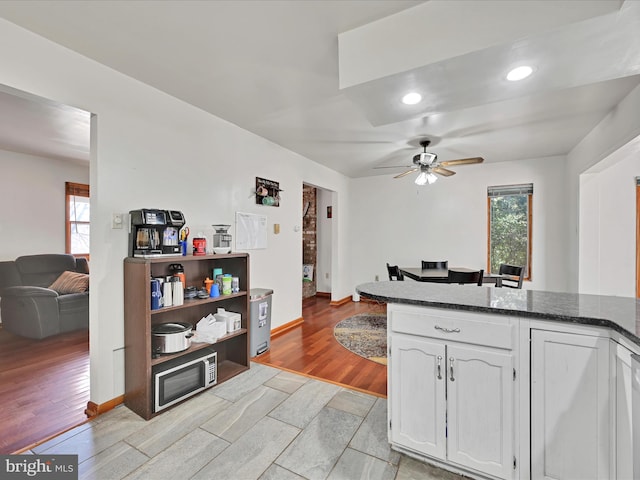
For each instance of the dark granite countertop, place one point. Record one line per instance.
(621, 314)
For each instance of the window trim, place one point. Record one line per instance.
(528, 190)
(638, 237)
(70, 189)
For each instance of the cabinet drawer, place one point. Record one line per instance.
(476, 328)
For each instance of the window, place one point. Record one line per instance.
(509, 229)
(77, 219)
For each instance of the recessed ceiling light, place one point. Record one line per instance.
(519, 73)
(411, 98)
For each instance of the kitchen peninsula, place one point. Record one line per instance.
(511, 384)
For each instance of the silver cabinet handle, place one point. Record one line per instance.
(439, 367)
(451, 369)
(447, 330)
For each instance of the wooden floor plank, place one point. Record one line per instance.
(44, 387)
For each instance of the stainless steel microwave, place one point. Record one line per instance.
(183, 377)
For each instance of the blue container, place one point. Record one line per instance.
(156, 294)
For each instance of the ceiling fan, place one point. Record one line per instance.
(428, 165)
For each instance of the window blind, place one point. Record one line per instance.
(504, 190)
(78, 189)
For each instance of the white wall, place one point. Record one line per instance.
(152, 150)
(607, 235)
(32, 195)
(323, 241)
(604, 143)
(395, 221)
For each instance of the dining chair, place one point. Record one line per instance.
(465, 277)
(515, 275)
(394, 273)
(440, 265)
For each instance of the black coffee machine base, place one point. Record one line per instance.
(155, 255)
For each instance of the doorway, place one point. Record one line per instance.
(317, 233)
(38, 134)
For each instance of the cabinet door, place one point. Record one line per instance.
(570, 409)
(417, 395)
(623, 431)
(480, 390)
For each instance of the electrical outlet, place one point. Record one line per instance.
(117, 220)
(377, 278)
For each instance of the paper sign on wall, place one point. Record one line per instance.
(251, 231)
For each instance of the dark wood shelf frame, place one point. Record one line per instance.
(232, 349)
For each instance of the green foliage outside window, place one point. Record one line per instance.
(509, 235)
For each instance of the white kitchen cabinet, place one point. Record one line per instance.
(452, 400)
(417, 396)
(570, 406)
(573, 412)
(621, 357)
(480, 425)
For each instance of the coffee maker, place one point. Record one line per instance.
(155, 233)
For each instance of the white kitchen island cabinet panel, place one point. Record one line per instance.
(624, 416)
(571, 419)
(480, 387)
(417, 386)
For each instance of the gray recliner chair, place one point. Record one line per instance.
(29, 308)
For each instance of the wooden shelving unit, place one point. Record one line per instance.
(232, 350)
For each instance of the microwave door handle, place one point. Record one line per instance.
(208, 381)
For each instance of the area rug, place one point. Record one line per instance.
(364, 335)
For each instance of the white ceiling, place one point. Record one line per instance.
(275, 68)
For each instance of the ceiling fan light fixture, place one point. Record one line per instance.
(519, 73)
(412, 98)
(421, 179)
(425, 178)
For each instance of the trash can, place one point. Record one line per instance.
(260, 316)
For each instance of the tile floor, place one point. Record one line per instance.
(264, 424)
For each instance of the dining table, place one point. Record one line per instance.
(441, 275)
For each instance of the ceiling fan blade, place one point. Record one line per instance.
(462, 161)
(443, 171)
(394, 166)
(406, 173)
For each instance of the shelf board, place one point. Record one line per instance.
(196, 346)
(228, 369)
(185, 258)
(194, 302)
